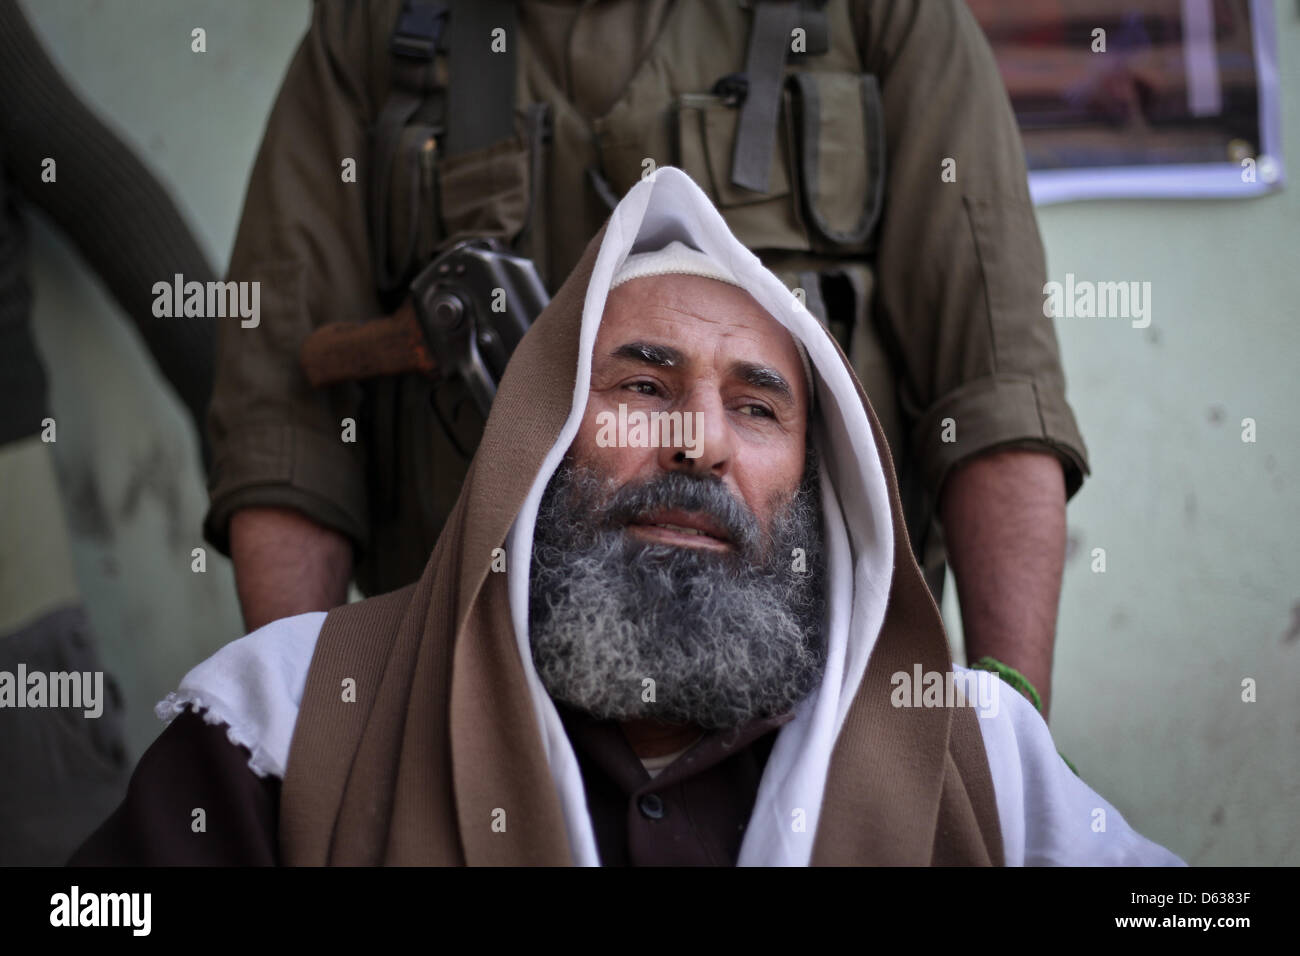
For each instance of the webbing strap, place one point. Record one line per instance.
(419, 26)
(477, 107)
(769, 42)
(480, 42)
(414, 44)
(481, 81)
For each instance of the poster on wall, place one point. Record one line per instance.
(1141, 98)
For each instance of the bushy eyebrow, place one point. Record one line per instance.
(766, 378)
(762, 377)
(662, 355)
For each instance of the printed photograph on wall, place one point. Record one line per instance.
(1157, 98)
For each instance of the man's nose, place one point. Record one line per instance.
(704, 443)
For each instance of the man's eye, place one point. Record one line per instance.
(759, 411)
(649, 388)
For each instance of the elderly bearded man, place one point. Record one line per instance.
(622, 653)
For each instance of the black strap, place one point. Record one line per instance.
(816, 28)
(475, 110)
(481, 81)
(481, 65)
(415, 42)
(419, 26)
(769, 42)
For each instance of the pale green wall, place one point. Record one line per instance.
(126, 451)
(1201, 588)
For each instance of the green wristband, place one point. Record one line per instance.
(1020, 683)
(1012, 677)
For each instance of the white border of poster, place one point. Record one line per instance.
(1192, 180)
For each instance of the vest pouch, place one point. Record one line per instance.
(839, 124)
(483, 193)
(706, 135)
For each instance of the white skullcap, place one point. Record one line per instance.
(677, 258)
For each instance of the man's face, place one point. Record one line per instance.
(632, 614)
(706, 349)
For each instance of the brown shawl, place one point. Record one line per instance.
(442, 740)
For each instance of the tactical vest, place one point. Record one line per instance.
(547, 189)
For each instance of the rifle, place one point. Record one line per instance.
(467, 311)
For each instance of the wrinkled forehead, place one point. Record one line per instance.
(687, 312)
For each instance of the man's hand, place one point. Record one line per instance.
(1003, 518)
(286, 564)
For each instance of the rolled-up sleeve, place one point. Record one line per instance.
(961, 263)
(277, 441)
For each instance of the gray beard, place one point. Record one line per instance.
(726, 637)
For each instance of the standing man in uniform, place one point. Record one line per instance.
(865, 149)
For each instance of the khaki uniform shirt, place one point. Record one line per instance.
(940, 312)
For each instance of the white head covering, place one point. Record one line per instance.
(658, 211)
(677, 258)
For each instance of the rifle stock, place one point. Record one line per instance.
(354, 351)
